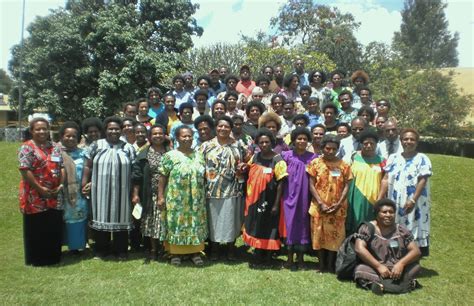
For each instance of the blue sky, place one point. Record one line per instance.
(226, 20)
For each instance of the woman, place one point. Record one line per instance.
(108, 167)
(204, 126)
(142, 117)
(368, 114)
(406, 183)
(141, 134)
(218, 109)
(182, 176)
(145, 177)
(337, 78)
(245, 140)
(276, 103)
(367, 170)
(253, 110)
(267, 171)
(317, 132)
(171, 113)
(128, 134)
(290, 88)
(317, 79)
(346, 112)
(231, 98)
(41, 168)
(389, 256)
(92, 129)
(328, 184)
(272, 122)
(330, 113)
(224, 158)
(296, 197)
(379, 125)
(75, 204)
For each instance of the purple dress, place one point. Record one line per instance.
(296, 198)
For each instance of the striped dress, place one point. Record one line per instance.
(111, 185)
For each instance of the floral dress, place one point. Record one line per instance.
(186, 216)
(403, 175)
(328, 230)
(152, 221)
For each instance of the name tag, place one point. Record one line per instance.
(393, 244)
(335, 172)
(55, 159)
(267, 170)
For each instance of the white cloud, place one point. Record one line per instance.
(226, 25)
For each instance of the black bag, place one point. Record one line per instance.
(347, 259)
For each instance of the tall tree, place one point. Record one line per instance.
(89, 58)
(5, 82)
(424, 39)
(320, 28)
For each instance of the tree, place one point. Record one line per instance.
(424, 39)
(5, 82)
(320, 28)
(89, 58)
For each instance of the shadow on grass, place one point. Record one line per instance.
(428, 273)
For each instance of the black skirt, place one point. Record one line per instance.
(42, 235)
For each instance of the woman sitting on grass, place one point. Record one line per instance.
(390, 256)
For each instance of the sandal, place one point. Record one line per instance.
(175, 261)
(197, 260)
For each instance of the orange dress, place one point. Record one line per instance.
(328, 230)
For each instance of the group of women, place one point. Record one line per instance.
(219, 186)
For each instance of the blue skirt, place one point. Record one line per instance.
(75, 237)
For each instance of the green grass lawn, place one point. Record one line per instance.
(447, 276)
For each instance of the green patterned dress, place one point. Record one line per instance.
(186, 217)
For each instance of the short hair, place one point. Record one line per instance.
(262, 78)
(140, 101)
(265, 132)
(158, 125)
(265, 67)
(186, 105)
(359, 118)
(330, 105)
(319, 125)
(330, 138)
(367, 109)
(225, 118)
(289, 78)
(237, 117)
(203, 77)
(300, 131)
(134, 121)
(204, 118)
(90, 122)
(251, 104)
(305, 88)
(36, 120)
(70, 125)
(169, 94)
(301, 117)
(345, 92)
(114, 119)
(180, 128)
(384, 202)
(314, 99)
(267, 117)
(178, 77)
(139, 124)
(155, 90)
(339, 72)
(127, 105)
(282, 98)
(369, 133)
(347, 125)
(218, 101)
(231, 93)
(386, 100)
(358, 90)
(323, 76)
(231, 77)
(201, 92)
(410, 130)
